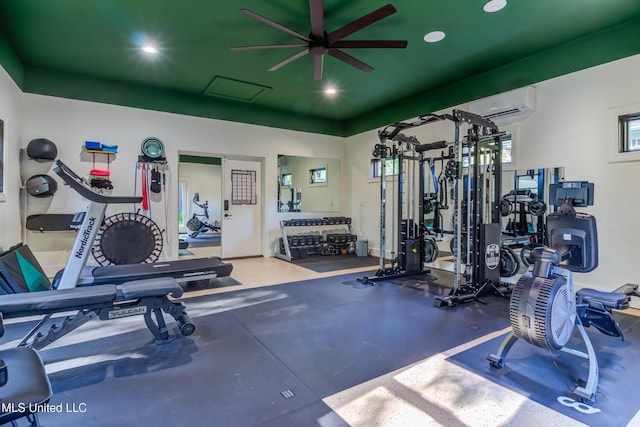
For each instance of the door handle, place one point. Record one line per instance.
(227, 215)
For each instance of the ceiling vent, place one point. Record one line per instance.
(236, 90)
(508, 104)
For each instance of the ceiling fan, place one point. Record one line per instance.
(318, 42)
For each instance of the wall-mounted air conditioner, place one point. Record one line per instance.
(507, 104)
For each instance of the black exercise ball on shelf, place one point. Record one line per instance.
(42, 150)
(41, 186)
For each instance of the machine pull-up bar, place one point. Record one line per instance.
(390, 131)
(432, 146)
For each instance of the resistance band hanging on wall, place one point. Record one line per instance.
(150, 163)
(153, 168)
(145, 189)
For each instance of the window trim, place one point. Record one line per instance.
(282, 180)
(312, 173)
(623, 132)
(374, 168)
(614, 153)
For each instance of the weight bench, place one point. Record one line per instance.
(149, 297)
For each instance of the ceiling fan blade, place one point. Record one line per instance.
(316, 8)
(274, 24)
(268, 46)
(350, 60)
(318, 62)
(357, 44)
(289, 59)
(362, 22)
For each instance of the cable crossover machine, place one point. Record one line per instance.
(474, 170)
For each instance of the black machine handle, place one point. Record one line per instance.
(74, 181)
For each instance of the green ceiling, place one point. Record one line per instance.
(87, 49)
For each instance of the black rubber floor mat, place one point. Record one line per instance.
(544, 375)
(264, 356)
(334, 336)
(218, 282)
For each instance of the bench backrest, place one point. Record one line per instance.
(20, 271)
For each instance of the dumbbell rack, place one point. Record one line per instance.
(284, 249)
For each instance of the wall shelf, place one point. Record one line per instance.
(100, 152)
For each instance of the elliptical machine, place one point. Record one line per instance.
(196, 225)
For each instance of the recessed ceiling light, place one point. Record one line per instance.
(434, 36)
(149, 49)
(494, 5)
(330, 91)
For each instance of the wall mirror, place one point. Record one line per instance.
(526, 202)
(308, 184)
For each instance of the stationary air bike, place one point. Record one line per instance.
(197, 225)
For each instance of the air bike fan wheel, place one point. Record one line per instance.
(127, 238)
(543, 311)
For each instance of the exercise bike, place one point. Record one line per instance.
(196, 225)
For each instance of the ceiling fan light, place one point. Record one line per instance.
(494, 5)
(434, 36)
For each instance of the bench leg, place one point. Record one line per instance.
(158, 327)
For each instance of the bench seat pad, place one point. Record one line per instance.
(28, 383)
(159, 286)
(59, 299)
(608, 299)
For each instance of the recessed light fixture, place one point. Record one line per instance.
(149, 49)
(330, 91)
(494, 5)
(434, 36)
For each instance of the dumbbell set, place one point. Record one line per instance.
(534, 206)
(312, 244)
(304, 222)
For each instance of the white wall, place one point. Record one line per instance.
(69, 123)
(571, 128)
(10, 96)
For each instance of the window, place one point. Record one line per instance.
(287, 180)
(318, 176)
(390, 167)
(182, 203)
(243, 187)
(629, 133)
(507, 144)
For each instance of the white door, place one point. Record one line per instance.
(241, 209)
